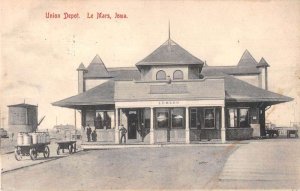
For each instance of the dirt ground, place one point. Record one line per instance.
(181, 167)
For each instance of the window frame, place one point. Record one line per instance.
(105, 116)
(182, 120)
(238, 117)
(181, 73)
(160, 71)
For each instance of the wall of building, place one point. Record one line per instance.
(17, 116)
(22, 119)
(150, 74)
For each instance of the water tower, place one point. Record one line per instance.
(22, 118)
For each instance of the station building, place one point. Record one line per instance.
(173, 96)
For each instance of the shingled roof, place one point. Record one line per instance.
(240, 91)
(124, 73)
(247, 59)
(96, 69)
(99, 95)
(231, 70)
(170, 53)
(263, 63)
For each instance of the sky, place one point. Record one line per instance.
(39, 55)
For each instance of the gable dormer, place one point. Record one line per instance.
(170, 61)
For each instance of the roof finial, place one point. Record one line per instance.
(169, 39)
(169, 31)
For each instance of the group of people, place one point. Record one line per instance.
(92, 134)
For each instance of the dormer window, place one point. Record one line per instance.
(161, 75)
(178, 75)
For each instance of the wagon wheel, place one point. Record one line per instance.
(18, 154)
(46, 152)
(33, 153)
(58, 150)
(70, 149)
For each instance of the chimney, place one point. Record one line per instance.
(263, 76)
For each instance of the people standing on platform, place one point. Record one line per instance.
(94, 136)
(123, 134)
(88, 133)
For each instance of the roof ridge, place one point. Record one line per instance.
(171, 53)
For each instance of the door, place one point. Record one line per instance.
(132, 124)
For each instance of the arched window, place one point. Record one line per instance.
(178, 75)
(161, 75)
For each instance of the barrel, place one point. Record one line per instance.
(20, 139)
(27, 139)
(34, 138)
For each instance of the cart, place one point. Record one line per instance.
(62, 145)
(32, 150)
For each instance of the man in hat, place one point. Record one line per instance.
(123, 133)
(88, 133)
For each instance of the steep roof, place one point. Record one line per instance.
(169, 53)
(97, 69)
(263, 63)
(247, 59)
(81, 67)
(99, 95)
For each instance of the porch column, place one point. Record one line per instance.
(187, 125)
(151, 126)
(223, 130)
(117, 138)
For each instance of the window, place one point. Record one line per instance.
(232, 117)
(161, 75)
(238, 117)
(162, 118)
(178, 75)
(209, 118)
(177, 118)
(244, 118)
(103, 119)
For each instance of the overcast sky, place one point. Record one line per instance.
(39, 56)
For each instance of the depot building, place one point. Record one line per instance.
(173, 96)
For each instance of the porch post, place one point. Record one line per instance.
(117, 138)
(187, 128)
(223, 130)
(151, 126)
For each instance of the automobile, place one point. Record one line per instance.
(3, 133)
